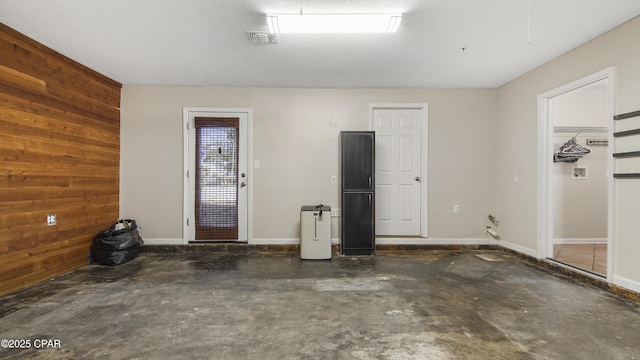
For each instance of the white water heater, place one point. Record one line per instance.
(315, 232)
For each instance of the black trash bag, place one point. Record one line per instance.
(114, 247)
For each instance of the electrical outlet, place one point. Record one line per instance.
(51, 219)
(334, 180)
(456, 209)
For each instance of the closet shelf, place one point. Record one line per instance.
(626, 133)
(627, 154)
(627, 115)
(627, 176)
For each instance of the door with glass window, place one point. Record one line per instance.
(217, 177)
(216, 197)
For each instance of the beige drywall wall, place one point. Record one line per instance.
(517, 128)
(295, 138)
(586, 106)
(580, 203)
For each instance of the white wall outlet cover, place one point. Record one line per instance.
(256, 164)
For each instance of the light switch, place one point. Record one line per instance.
(256, 164)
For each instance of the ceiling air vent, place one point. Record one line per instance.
(262, 37)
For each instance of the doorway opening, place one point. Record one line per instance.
(576, 174)
(216, 175)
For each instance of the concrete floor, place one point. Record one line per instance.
(417, 305)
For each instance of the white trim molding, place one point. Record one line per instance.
(274, 241)
(580, 241)
(519, 248)
(162, 241)
(387, 241)
(434, 241)
(626, 283)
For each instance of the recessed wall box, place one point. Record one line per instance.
(579, 173)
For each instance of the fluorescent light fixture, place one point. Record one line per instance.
(333, 23)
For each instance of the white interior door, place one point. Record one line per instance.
(398, 171)
(217, 175)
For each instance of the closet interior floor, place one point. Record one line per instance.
(590, 257)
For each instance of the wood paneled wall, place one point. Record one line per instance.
(59, 154)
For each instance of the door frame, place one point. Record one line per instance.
(191, 112)
(424, 154)
(545, 166)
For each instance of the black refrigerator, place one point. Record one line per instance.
(357, 156)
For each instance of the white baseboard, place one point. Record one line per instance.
(434, 241)
(387, 241)
(162, 241)
(269, 241)
(585, 241)
(262, 241)
(518, 248)
(274, 241)
(626, 283)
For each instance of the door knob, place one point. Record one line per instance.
(243, 184)
(418, 178)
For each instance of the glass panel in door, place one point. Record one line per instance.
(216, 185)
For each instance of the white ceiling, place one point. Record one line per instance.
(204, 42)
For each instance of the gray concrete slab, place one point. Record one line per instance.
(417, 305)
